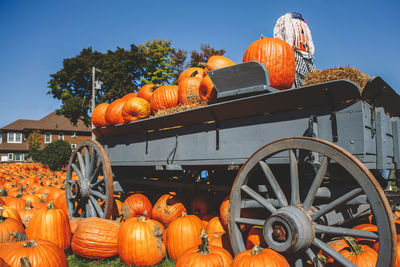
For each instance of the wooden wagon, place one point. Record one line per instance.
(305, 164)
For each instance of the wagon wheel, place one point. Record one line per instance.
(89, 185)
(293, 219)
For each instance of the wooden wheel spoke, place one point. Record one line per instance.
(333, 253)
(98, 194)
(274, 184)
(96, 206)
(313, 258)
(96, 184)
(96, 172)
(87, 162)
(92, 164)
(316, 184)
(78, 172)
(253, 194)
(337, 203)
(90, 210)
(250, 221)
(81, 163)
(298, 262)
(294, 179)
(340, 231)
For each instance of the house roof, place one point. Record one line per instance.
(14, 147)
(50, 122)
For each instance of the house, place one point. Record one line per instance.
(14, 136)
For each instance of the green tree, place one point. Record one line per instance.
(34, 139)
(206, 51)
(56, 155)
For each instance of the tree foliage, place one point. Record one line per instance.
(34, 139)
(121, 71)
(55, 155)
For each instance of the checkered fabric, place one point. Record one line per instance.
(304, 65)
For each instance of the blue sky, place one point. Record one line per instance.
(37, 35)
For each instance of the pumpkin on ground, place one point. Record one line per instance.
(8, 226)
(164, 97)
(135, 108)
(183, 233)
(360, 255)
(9, 212)
(99, 115)
(41, 253)
(277, 56)
(397, 262)
(258, 256)
(140, 242)
(50, 224)
(27, 213)
(135, 206)
(96, 238)
(167, 208)
(204, 255)
(214, 226)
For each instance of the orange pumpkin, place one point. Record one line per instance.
(224, 212)
(360, 255)
(140, 242)
(114, 112)
(277, 56)
(191, 72)
(207, 91)
(135, 206)
(99, 115)
(146, 91)
(258, 256)
(164, 97)
(27, 213)
(129, 96)
(217, 62)
(7, 226)
(204, 255)
(96, 238)
(255, 237)
(188, 90)
(135, 108)
(167, 208)
(214, 226)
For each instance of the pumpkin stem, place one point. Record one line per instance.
(194, 73)
(201, 65)
(51, 206)
(184, 214)
(28, 205)
(31, 243)
(25, 262)
(142, 219)
(203, 247)
(354, 248)
(19, 195)
(256, 250)
(18, 236)
(2, 218)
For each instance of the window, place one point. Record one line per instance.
(17, 157)
(73, 146)
(73, 134)
(24, 157)
(47, 138)
(10, 156)
(14, 137)
(1, 138)
(60, 136)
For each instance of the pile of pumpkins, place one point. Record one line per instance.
(195, 85)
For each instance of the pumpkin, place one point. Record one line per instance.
(221, 240)
(96, 238)
(205, 218)
(167, 208)
(214, 226)
(255, 237)
(336, 244)
(99, 115)
(129, 96)
(35, 200)
(146, 91)
(201, 204)
(188, 90)
(191, 72)
(27, 213)
(140, 242)
(207, 91)
(15, 202)
(205, 255)
(183, 233)
(135, 108)
(61, 202)
(39, 252)
(50, 224)
(366, 227)
(9, 212)
(135, 206)
(360, 255)
(224, 212)
(277, 56)
(397, 262)
(164, 97)
(114, 112)
(217, 62)
(74, 222)
(258, 256)
(8, 226)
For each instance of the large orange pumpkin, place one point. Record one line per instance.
(207, 91)
(99, 115)
(135, 108)
(129, 96)
(114, 112)
(217, 62)
(258, 256)
(188, 90)
(183, 233)
(277, 56)
(41, 253)
(191, 72)
(135, 206)
(205, 255)
(360, 255)
(7, 226)
(96, 238)
(146, 91)
(167, 208)
(50, 224)
(140, 242)
(164, 97)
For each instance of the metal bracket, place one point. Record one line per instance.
(216, 130)
(333, 119)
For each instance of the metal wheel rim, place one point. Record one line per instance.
(91, 190)
(369, 185)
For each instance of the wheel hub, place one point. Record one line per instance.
(79, 190)
(290, 229)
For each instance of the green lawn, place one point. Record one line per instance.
(76, 261)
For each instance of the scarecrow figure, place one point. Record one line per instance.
(293, 29)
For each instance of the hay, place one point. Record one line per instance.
(179, 108)
(347, 73)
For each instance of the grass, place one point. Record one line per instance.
(76, 261)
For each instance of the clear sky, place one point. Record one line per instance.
(37, 35)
